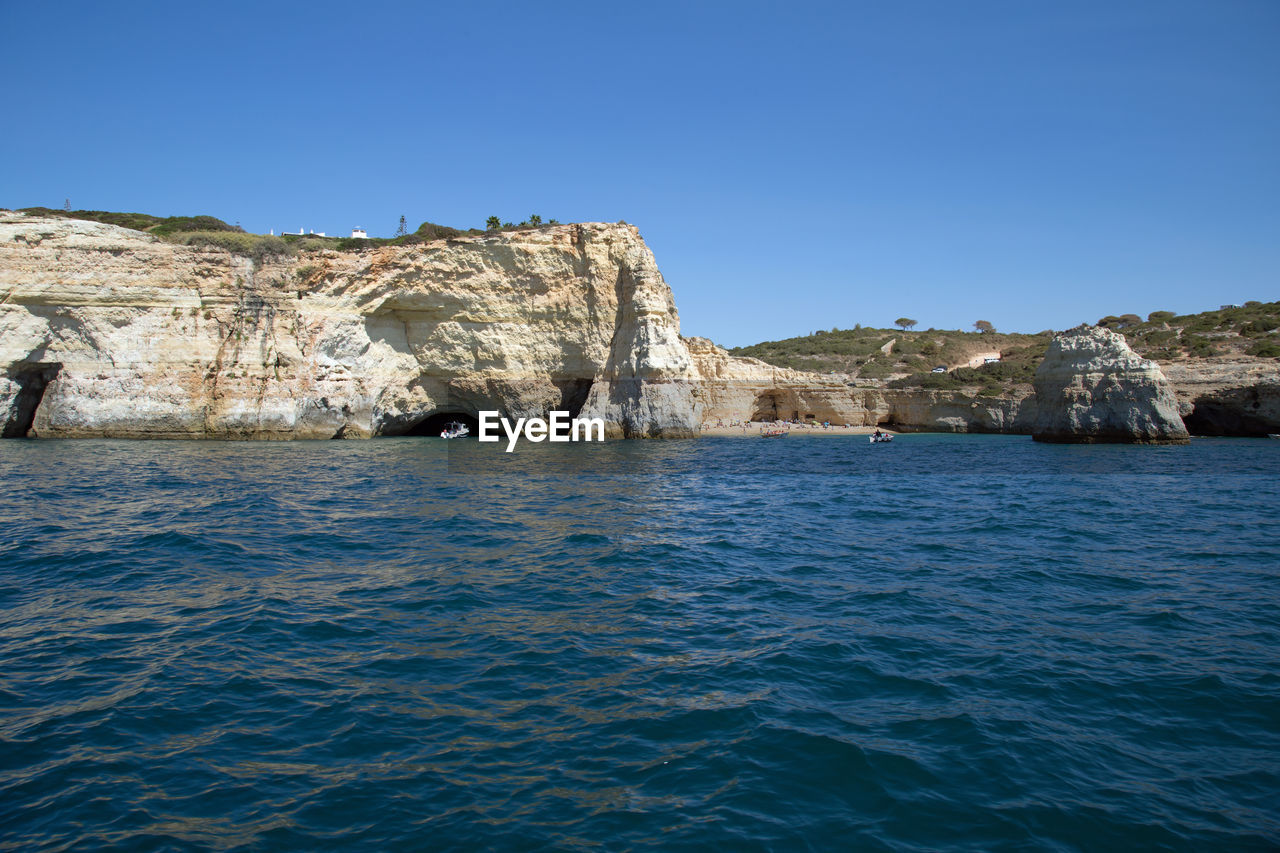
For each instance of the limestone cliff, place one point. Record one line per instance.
(1091, 387)
(747, 388)
(923, 410)
(735, 387)
(1227, 396)
(110, 332)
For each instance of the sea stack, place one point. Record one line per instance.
(1091, 387)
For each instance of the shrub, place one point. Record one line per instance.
(255, 246)
(874, 370)
(158, 225)
(1198, 346)
(429, 231)
(1265, 349)
(931, 381)
(189, 224)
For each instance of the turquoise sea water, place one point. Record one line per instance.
(960, 642)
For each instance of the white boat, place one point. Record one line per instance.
(881, 438)
(455, 429)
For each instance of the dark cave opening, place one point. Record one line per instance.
(1219, 418)
(434, 424)
(574, 394)
(32, 381)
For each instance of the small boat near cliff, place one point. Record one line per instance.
(880, 438)
(768, 432)
(455, 429)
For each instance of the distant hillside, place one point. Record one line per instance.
(907, 358)
(878, 354)
(1252, 329)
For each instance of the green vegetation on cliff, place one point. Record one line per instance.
(161, 226)
(1251, 329)
(211, 231)
(868, 353)
(907, 358)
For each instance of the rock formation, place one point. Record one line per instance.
(747, 388)
(1226, 396)
(110, 332)
(1091, 387)
(734, 387)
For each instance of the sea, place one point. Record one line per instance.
(950, 642)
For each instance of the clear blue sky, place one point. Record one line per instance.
(793, 166)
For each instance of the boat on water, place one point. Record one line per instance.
(772, 432)
(880, 438)
(455, 429)
(1273, 435)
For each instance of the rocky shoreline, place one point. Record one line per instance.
(109, 332)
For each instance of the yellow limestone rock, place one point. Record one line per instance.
(106, 331)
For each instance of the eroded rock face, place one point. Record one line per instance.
(128, 336)
(922, 410)
(1091, 387)
(741, 388)
(1226, 396)
(732, 387)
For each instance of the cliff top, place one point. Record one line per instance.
(1248, 334)
(210, 232)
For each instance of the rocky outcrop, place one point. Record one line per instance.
(741, 388)
(732, 387)
(923, 410)
(110, 332)
(1091, 387)
(1227, 396)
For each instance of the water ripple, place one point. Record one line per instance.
(970, 642)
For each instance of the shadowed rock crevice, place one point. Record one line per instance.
(27, 383)
(573, 394)
(434, 423)
(1239, 412)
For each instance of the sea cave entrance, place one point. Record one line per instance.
(434, 424)
(1234, 415)
(32, 381)
(766, 407)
